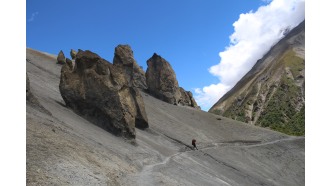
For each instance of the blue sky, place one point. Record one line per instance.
(190, 34)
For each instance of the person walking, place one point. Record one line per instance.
(193, 142)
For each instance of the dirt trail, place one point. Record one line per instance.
(247, 143)
(146, 175)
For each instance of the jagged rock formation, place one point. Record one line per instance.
(134, 74)
(271, 94)
(61, 58)
(161, 80)
(99, 91)
(187, 99)
(162, 83)
(73, 54)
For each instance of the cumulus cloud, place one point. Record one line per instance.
(34, 14)
(254, 34)
(210, 94)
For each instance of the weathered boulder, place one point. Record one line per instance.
(98, 90)
(73, 54)
(161, 80)
(61, 58)
(187, 99)
(134, 73)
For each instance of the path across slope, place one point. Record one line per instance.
(149, 175)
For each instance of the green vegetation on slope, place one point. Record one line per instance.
(296, 64)
(236, 111)
(281, 108)
(281, 112)
(296, 126)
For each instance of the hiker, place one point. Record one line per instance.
(194, 144)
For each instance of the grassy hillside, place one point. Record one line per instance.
(284, 110)
(271, 94)
(276, 98)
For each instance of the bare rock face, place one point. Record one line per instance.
(161, 80)
(61, 58)
(73, 54)
(187, 99)
(134, 74)
(98, 90)
(162, 83)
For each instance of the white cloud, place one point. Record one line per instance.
(209, 94)
(34, 14)
(254, 34)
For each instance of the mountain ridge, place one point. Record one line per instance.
(284, 61)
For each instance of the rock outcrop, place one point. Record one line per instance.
(161, 80)
(162, 83)
(134, 73)
(73, 54)
(99, 91)
(187, 99)
(61, 58)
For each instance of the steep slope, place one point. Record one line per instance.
(271, 94)
(66, 149)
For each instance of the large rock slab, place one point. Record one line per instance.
(161, 80)
(99, 91)
(162, 83)
(134, 73)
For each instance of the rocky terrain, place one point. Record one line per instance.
(272, 93)
(63, 147)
